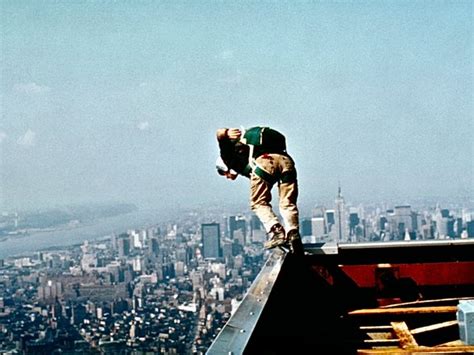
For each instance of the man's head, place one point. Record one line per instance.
(223, 170)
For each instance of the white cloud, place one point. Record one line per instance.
(28, 139)
(31, 88)
(3, 136)
(142, 126)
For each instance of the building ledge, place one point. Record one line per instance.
(296, 305)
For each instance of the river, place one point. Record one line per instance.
(24, 244)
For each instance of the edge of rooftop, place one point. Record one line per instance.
(334, 248)
(235, 335)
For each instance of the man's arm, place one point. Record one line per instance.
(228, 133)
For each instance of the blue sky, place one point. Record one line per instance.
(120, 100)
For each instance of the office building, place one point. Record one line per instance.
(318, 227)
(237, 223)
(306, 228)
(211, 240)
(124, 246)
(341, 222)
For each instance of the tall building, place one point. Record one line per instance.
(153, 246)
(450, 227)
(330, 216)
(258, 234)
(124, 246)
(318, 227)
(255, 223)
(382, 223)
(466, 215)
(211, 240)
(136, 241)
(237, 223)
(442, 223)
(330, 221)
(470, 229)
(403, 220)
(239, 237)
(341, 223)
(458, 227)
(306, 228)
(353, 221)
(417, 222)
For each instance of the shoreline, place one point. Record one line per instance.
(61, 228)
(101, 228)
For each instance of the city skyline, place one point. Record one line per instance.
(44, 229)
(172, 285)
(107, 101)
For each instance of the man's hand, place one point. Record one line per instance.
(228, 133)
(234, 133)
(230, 175)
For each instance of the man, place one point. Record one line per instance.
(234, 155)
(260, 154)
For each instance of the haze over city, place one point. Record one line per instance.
(120, 100)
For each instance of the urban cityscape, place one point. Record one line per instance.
(121, 231)
(170, 287)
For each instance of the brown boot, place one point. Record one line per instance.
(277, 237)
(296, 245)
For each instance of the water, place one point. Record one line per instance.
(16, 245)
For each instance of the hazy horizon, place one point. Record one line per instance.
(119, 101)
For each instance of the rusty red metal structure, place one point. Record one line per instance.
(390, 297)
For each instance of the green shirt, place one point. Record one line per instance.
(264, 140)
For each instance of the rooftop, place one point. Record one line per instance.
(365, 298)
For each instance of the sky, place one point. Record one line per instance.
(120, 100)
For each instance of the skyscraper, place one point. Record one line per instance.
(255, 223)
(353, 221)
(237, 223)
(256, 229)
(211, 240)
(458, 227)
(330, 217)
(403, 220)
(340, 217)
(470, 229)
(306, 228)
(330, 220)
(124, 245)
(153, 246)
(442, 220)
(318, 227)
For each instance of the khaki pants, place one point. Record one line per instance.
(275, 168)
